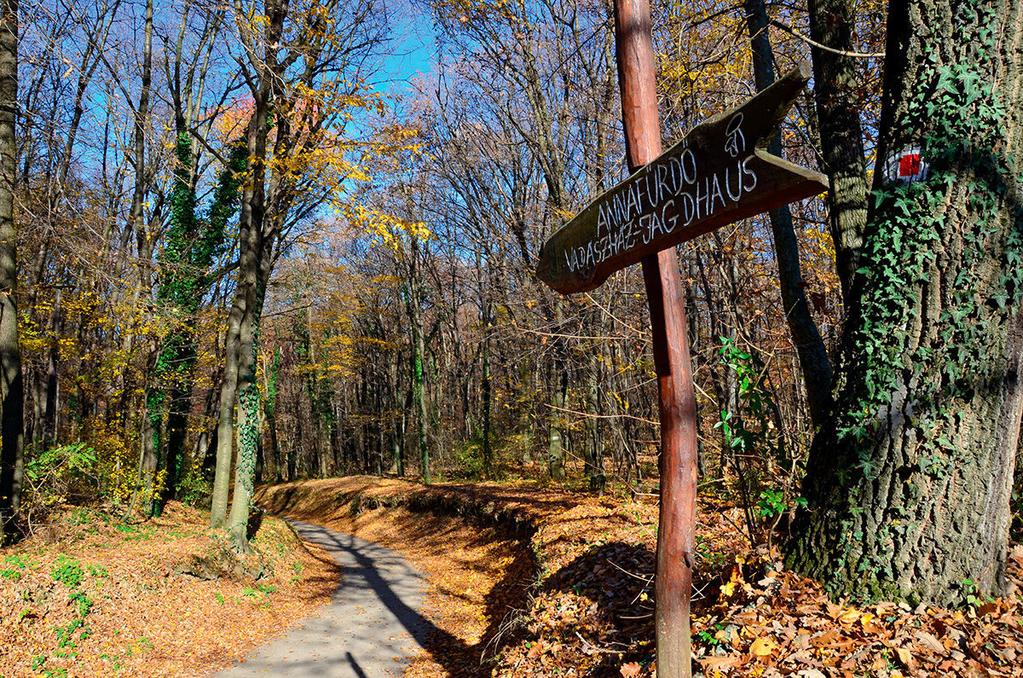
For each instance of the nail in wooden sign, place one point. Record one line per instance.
(719, 173)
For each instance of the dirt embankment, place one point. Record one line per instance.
(90, 595)
(524, 580)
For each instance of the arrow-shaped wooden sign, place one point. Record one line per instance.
(719, 173)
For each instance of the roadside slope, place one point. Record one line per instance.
(542, 583)
(91, 596)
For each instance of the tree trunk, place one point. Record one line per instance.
(841, 135)
(44, 433)
(248, 429)
(177, 429)
(813, 356)
(11, 388)
(486, 388)
(239, 319)
(225, 421)
(399, 421)
(559, 375)
(273, 377)
(152, 418)
(418, 395)
(909, 483)
(253, 273)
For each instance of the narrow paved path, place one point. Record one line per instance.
(371, 627)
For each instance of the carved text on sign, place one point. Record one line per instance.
(719, 173)
(673, 195)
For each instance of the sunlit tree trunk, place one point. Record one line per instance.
(152, 419)
(273, 377)
(253, 271)
(486, 387)
(836, 81)
(48, 435)
(240, 328)
(813, 356)
(417, 357)
(225, 420)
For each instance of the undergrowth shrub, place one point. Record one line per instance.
(762, 474)
(59, 474)
(99, 469)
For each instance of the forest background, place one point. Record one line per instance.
(243, 230)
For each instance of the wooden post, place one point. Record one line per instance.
(678, 468)
(719, 173)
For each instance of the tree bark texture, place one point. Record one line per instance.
(841, 135)
(909, 482)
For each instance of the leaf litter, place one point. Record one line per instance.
(90, 595)
(582, 601)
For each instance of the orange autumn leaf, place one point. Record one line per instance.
(630, 670)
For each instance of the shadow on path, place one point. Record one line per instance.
(371, 627)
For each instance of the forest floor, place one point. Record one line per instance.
(526, 581)
(88, 595)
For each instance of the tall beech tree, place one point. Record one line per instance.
(304, 65)
(909, 482)
(138, 223)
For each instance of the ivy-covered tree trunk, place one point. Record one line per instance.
(174, 288)
(253, 272)
(417, 353)
(240, 323)
(225, 419)
(273, 376)
(909, 483)
(248, 427)
(229, 383)
(192, 244)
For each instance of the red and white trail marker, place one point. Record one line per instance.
(906, 166)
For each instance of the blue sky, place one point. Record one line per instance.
(414, 49)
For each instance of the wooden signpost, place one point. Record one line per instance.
(719, 173)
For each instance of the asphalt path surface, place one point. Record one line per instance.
(371, 627)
